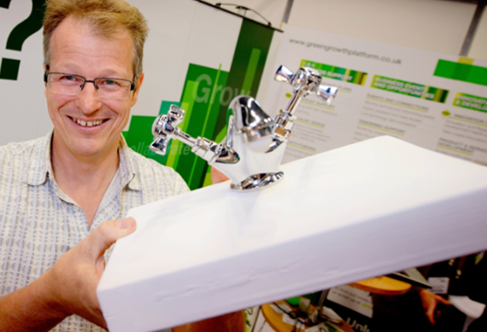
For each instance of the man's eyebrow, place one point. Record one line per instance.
(75, 70)
(69, 68)
(111, 73)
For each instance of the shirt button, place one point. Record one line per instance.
(75, 209)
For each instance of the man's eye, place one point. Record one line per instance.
(109, 83)
(68, 78)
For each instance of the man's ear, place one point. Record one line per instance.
(138, 83)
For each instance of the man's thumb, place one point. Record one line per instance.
(127, 224)
(107, 233)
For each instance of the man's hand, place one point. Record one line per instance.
(69, 287)
(430, 303)
(76, 274)
(217, 176)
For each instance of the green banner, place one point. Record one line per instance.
(461, 72)
(471, 102)
(409, 89)
(337, 73)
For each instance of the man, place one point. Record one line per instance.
(57, 192)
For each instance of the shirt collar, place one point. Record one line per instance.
(40, 162)
(40, 167)
(126, 167)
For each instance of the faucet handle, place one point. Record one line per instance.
(165, 127)
(167, 123)
(326, 92)
(306, 80)
(284, 74)
(175, 115)
(159, 145)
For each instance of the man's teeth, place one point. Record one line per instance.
(87, 123)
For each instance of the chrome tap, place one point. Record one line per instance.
(252, 151)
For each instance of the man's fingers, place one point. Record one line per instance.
(443, 300)
(430, 313)
(106, 234)
(73, 279)
(217, 176)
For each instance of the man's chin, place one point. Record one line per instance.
(85, 146)
(90, 149)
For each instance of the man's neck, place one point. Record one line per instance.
(84, 178)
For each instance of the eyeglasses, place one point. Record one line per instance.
(72, 85)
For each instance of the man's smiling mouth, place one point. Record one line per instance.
(87, 123)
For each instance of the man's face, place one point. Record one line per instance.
(85, 125)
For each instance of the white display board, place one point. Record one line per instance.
(367, 209)
(430, 99)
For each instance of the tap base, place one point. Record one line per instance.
(258, 181)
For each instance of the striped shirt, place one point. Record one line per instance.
(39, 223)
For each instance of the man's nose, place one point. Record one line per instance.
(88, 98)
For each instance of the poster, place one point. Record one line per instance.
(433, 100)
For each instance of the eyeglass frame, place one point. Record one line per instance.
(46, 75)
